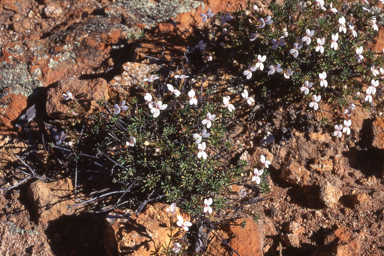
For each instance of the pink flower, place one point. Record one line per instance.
(208, 119)
(183, 224)
(338, 129)
(305, 88)
(314, 104)
(256, 175)
(307, 37)
(227, 104)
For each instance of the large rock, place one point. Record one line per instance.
(295, 173)
(342, 242)
(58, 107)
(378, 133)
(141, 235)
(51, 200)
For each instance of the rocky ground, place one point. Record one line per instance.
(327, 194)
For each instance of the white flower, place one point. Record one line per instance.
(227, 105)
(172, 208)
(68, 96)
(207, 16)
(338, 129)
(374, 25)
(320, 43)
(342, 27)
(176, 247)
(359, 52)
(305, 87)
(192, 98)
(334, 44)
(307, 38)
(372, 89)
(148, 97)
(173, 90)
(351, 27)
(201, 148)
(201, 45)
(348, 111)
(254, 36)
(208, 119)
(256, 8)
(323, 82)
(119, 107)
(131, 142)
(374, 71)
(320, 3)
(249, 100)
(346, 128)
(256, 175)
(248, 72)
(277, 43)
(198, 137)
(151, 78)
(367, 10)
(334, 10)
(288, 73)
(157, 107)
(242, 192)
(182, 77)
(183, 224)
(265, 162)
(268, 21)
(207, 205)
(260, 60)
(314, 104)
(277, 68)
(295, 50)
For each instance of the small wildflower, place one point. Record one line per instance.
(119, 108)
(172, 208)
(207, 16)
(268, 21)
(227, 104)
(277, 68)
(359, 52)
(68, 96)
(260, 60)
(320, 43)
(346, 128)
(374, 71)
(265, 162)
(248, 72)
(148, 97)
(201, 45)
(372, 89)
(173, 90)
(351, 27)
(225, 18)
(288, 73)
(323, 82)
(182, 77)
(207, 205)
(201, 148)
(305, 88)
(338, 129)
(151, 78)
(314, 104)
(208, 119)
(157, 107)
(256, 8)
(192, 97)
(198, 137)
(320, 3)
(374, 25)
(183, 224)
(348, 111)
(334, 10)
(334, 44)
(254, 36)
(342, 27)
(277, 43)
(131, 142)
(256, 175)
(176, 247)
(59, 138)
(307, 37)
(242, 192)
(249, 100)
(295, 50)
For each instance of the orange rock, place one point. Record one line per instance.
(295, 173)
(378, 133)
